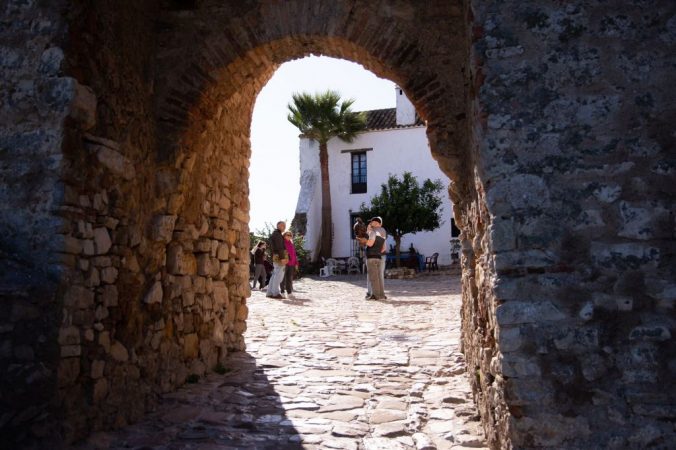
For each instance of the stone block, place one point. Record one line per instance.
(72, 245)
(78, 297)
(180, 262)
(83, 106)
(203, 245)
(154, 294)
(68, 351)
(218, 336)
(97, 368)
(656, 332)
(587, 311)
(100, 391)
(223, 252)
(593, 367)
(69, 336)
(163, 228)
(199, 284)
(612, 302)
(514, 366)
(577, 339)
(517, 192)
(627, 255)
(207, 266)
(190, 346)
(109, 275)
(534, 259)
(188, 298)
(527, 391)
(104, 340)
(509, 339)
(88, 247)
(242, 312)
(89, 335)
(93, 278)
(113, 161)
(223, 271)
(102, 241)
(642, 223)
(502, 234)
(50, 61)
(516, 312)
(119, 352)
(69, 369)
(607, 193)
(552, 430)
(100, 313)
(109, 296)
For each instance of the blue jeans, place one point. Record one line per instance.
(382, 277)
(276, 279)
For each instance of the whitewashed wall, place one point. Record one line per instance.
(310, 195)
(393, 152)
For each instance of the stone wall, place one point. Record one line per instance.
(552, 121)
(569, 280)
(35, 98)
(158, 287)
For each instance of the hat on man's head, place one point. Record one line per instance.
(377, 219)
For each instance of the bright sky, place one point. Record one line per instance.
(274, 141)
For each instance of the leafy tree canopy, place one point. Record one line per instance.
(406, 206)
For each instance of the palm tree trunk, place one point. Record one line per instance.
(326, 234)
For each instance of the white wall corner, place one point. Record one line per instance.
(405, 109)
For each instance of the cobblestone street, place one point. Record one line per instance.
(329, 370)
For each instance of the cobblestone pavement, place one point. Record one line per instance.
(329, 370)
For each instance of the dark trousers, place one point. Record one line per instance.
(287, 282)
(259, 275)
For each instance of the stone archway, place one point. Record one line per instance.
(137, 225)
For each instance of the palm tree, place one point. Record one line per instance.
(321, 117)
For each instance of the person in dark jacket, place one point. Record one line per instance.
(279, 260)
(258, 253)
(374, 262)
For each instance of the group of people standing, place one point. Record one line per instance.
(284, 262)
(376, 256)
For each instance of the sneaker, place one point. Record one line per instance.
(278, 297)
(368, 296)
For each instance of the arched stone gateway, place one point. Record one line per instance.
(124, 158)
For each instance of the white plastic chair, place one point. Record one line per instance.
(332, 264)
(353, 265)
(328, 269)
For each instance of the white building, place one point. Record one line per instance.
(394, 142)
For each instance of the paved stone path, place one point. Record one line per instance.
(329, 370)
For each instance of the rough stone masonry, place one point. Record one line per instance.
(124, 155)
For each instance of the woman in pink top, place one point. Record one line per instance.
(287, 283)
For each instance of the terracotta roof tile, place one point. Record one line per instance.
(385, 119)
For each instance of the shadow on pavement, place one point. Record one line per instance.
(296, 301)
(239, 410)
(421, 286)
